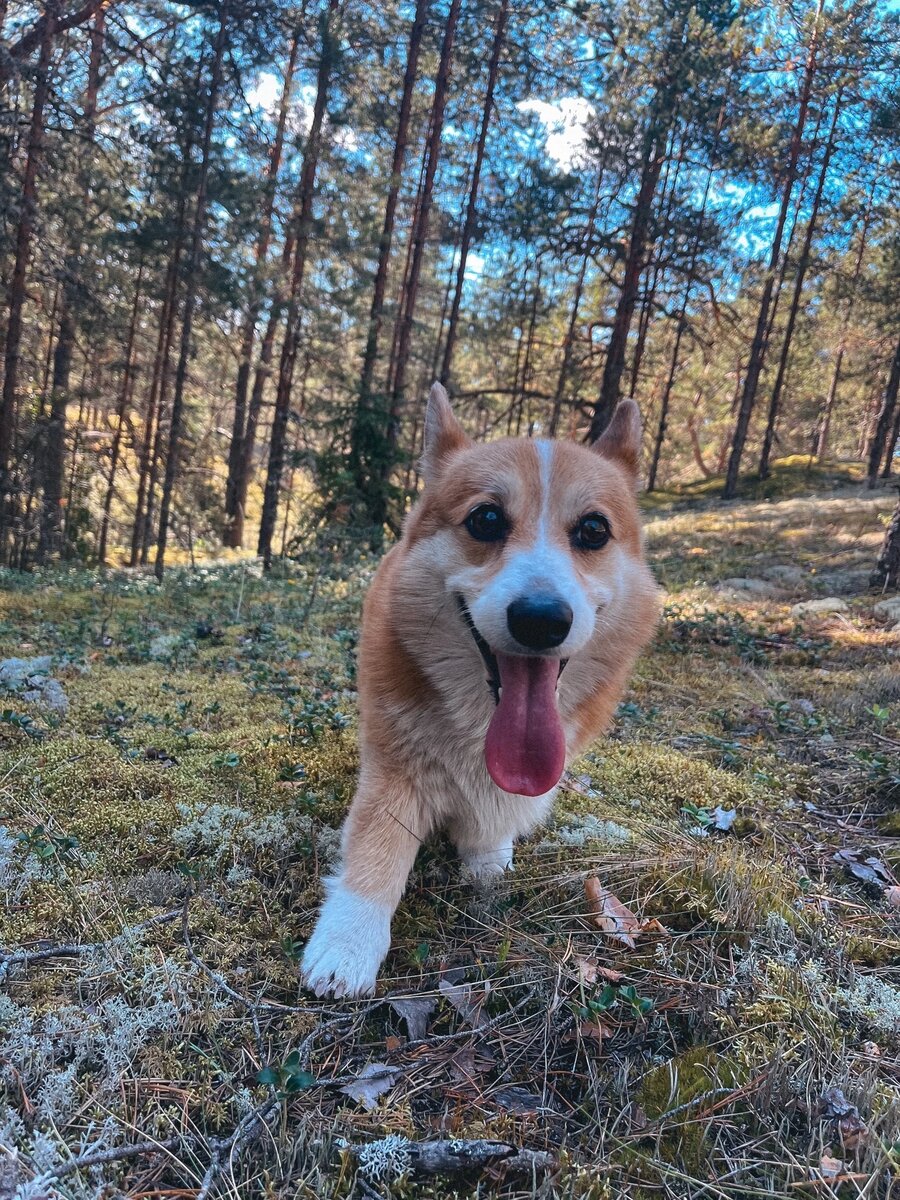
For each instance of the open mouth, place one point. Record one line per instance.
(525, 746)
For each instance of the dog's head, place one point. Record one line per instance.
(534, 541)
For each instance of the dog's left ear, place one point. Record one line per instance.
(443, 433)
(620, 441)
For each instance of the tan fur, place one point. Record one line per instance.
(423, 697)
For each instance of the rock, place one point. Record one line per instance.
(749, 587)
(784, 574)
(30, 678)
(889, 609)
(819, 608)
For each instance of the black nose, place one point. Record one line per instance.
(539, 622)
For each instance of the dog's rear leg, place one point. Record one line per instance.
(353, 933)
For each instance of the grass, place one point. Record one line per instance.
(162, 844)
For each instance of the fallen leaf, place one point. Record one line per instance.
(892, 895)
(851, 1128)
(872, 1049)
(829, 1168)
(373, 1081)
(466, 1000)
(589, 971)
(609, 914)
(869, 870)
(392, 1044)
(415, 1011)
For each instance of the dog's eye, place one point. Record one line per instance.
(592, 532)
(487, 523)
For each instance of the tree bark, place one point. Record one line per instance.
(193, 267)
(233, 531)
(760, 338)
(651, 166)
(472, 206)
(419, 238)
(825, 428)
(16, 296)
(366, 422)
(887, 569)
(254, 408)
(50, 541)
(125, 394)
(802, 266)
(885, 419)
(303, 225)
(569, 338)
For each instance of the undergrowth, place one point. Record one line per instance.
(162, 844)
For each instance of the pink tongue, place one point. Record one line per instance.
(525, 748)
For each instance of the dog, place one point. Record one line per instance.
(497, 638)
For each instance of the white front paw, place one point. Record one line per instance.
(489, 863)
(348, 944)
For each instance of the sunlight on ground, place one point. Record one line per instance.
(187, 803)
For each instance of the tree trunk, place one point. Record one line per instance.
(760, 338)
(303, 224)
(418, 241)
(234, 536)
(802, 266)
(885, 419)
(193, 268)
(366, 425)
(825, 429)
(472, 206)
(652, 161)
(16, 296)
(125, 394)
(887, 569)
(891, 450)
(569, 338)
(50, 541)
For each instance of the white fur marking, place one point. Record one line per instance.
(348, 944)
(487, 862)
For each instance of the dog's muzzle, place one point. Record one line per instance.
(487, 654)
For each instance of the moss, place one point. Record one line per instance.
(682, 1080)
(658, 781)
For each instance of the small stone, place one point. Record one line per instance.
(819, 608)
(749, 587)
(889, 609)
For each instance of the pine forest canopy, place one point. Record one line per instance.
(238, 240)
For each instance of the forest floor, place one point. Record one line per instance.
(163, 839)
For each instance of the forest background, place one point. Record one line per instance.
(238, 240)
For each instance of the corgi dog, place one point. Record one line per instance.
(497, 638)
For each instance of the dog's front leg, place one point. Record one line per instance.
(382, 833)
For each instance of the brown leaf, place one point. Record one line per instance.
(589, 971)
(392, 1044)
(466, 1000)
(830, 1168)
(609, 914)
(892, 895)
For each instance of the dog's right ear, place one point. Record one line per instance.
(443, 433)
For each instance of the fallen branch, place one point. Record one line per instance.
(393, 1156)
(74, 949)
